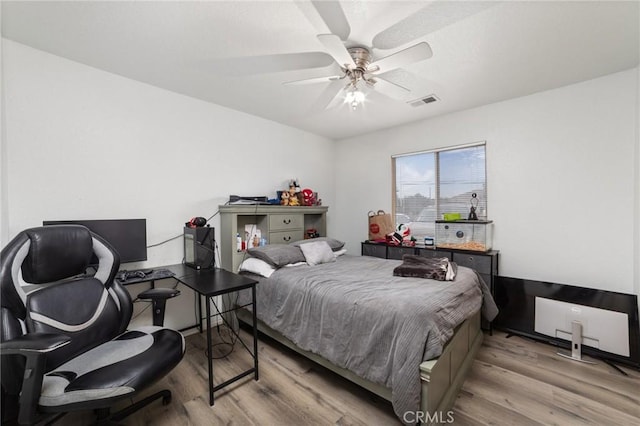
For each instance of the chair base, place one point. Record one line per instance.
(105, 416)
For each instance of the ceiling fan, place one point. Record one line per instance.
(358, 67)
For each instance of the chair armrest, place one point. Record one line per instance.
(34, 347)
(29, 344)
(159, 293)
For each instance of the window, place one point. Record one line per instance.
(428, 184)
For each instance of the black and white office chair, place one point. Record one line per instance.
(64, 342)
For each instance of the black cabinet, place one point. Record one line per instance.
(483, 262)
(486, 263)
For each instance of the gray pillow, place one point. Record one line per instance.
(333, 243)
(278, 254)
(317, 252)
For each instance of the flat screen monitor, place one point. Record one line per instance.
(545, 311)
(599, 328)
(127, 236)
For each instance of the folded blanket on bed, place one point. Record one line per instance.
(439, 268)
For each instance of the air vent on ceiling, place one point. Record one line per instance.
(423, 101)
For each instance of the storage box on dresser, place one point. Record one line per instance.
(277, 224)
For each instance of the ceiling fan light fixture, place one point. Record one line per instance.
(354, 97)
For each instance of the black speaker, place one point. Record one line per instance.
(199, 248)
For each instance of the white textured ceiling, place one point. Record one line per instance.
(483, 52)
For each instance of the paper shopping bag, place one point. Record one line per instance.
(380, 224)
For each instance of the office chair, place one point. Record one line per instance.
(64, 342)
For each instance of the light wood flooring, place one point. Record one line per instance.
(514, 381)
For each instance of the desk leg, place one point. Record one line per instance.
(209, 350)
(199, 309)
(255, 330)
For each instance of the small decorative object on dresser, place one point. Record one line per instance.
(284, 198)
(380, 225)
(294, 196)
(311, 233)
(308, 197)
(474, 206)
(294, 200)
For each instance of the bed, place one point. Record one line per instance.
(409, 340)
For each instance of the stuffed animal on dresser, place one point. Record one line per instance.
(293, 196)
(284, 198)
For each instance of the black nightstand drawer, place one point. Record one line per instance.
(398, 252)
(480, 263)
(374, 250)
(431, 253)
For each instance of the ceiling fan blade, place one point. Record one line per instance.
(390, 89)
(326, 16)
(336, 49)
(417, 52)
(314, 80)
(329, 97)
(251, 65)
(337, 99)
(434, 16)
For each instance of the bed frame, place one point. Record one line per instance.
(441, 378)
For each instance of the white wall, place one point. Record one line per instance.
(561, 170)
(4, 211)
(81, 143)
(562, 165)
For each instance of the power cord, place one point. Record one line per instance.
(232, 330)
(180, 235)
(164, 242)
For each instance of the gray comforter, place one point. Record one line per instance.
(356, 314)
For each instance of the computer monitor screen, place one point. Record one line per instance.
(600, 328)
(127, 236)
(546, 311)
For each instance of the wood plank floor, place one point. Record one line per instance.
(514, 381)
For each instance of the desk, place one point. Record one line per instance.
(216, 282)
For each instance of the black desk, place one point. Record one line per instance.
(216, 282)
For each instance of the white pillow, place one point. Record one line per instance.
(340, 252)
(256, 266)
(317, 252)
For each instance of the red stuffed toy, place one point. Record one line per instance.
(308, 199)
